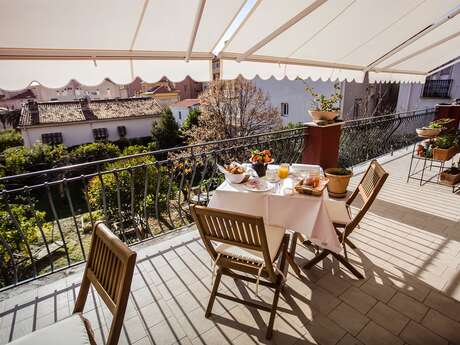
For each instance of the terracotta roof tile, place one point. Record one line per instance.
(65, 112)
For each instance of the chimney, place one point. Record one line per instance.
(34, 113)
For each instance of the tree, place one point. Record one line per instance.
(233, 108)
(192, 119)
(10, 117)
(165, 132)
(10, 138)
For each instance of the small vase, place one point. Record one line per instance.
(260, 168)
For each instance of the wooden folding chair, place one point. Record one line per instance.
(340, 213)
(240, 242)
(109, 269)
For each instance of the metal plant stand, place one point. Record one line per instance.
(419, 174)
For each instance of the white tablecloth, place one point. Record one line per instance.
(301, 213)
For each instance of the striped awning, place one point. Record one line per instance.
(53, 41)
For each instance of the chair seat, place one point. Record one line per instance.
(274, 238)
(70, 331)
(337, 211)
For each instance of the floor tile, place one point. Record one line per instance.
(408, 306)
(443, 326)
(358, 299)
(348, 318)
(388, 318)
(415, 334)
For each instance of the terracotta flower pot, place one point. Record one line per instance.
(449, 178)
(338, 184)
(444, 154)
(323, 115)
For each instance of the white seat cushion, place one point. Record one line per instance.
(337, 211)
(70, 331)
(274, 239)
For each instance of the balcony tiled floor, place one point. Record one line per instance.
(409, 251)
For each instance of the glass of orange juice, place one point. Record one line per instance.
(283, 171)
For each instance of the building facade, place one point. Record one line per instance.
(440, 87)
(181, 109)
(80, 122)
(290, 98)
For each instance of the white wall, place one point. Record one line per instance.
(293, 93)
(184, 111)
(180, 118)
(410, 95)
(82, 132)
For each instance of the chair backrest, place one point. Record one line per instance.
(368, 189)
(109, 269)
(236, 229)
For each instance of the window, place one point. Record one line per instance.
(180, 115)
(52, 138)
(437, 88)
(121, 131)
(100, 133)
(284, 109)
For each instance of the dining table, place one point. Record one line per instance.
(281, 206)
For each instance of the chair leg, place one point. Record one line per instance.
(271, 322)
(317, 259)
(215, 287)
(291, 254)
(347, 264)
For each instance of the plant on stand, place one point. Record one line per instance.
(444, 147)
(451, 176)
(338, 181)
(325, 109)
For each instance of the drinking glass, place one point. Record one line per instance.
(271, 173)
(283, 171)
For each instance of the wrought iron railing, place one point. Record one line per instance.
(368, 138)
(46, 216)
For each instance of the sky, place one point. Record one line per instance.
(235, 24)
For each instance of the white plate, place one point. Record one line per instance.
(264, 186)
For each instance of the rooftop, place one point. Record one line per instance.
(185, 103)
(409, 252)
(74, 111)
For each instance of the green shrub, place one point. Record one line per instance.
(94, 152)
(124, 180)
(10, 138)
(18, 160)
(29, 220)
(134, 149)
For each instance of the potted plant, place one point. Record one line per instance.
(325, 108)
(434, 128)
(260, 160)
(451, 176)
(338, 181)
(444, 147)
